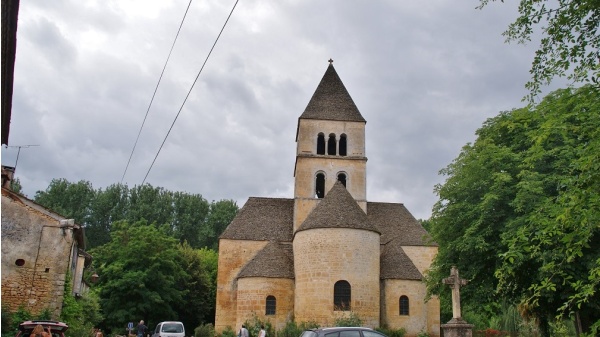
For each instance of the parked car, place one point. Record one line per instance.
(169, 329)
(56, 328)
(342, 332)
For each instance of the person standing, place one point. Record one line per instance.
(262, 332)
(243, 332)
(141, 329)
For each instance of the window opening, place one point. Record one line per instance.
(331, 145)
(342, 178)
(342, 296)
(343, 145)
(321, 143)
(271, 305)
(320, 186)
(404, 305)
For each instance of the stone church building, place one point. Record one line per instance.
(328, 252)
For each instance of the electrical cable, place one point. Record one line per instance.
(190, 91)
(155, 89)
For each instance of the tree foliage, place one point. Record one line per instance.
(570, 43)
(142, 274)
(519, 212)
(189, 217)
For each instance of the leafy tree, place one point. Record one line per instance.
(71, 200)
(109, 205)
(15, 185)
(519, 212)
(199, 306)
(142, 274)
(189, 216)
(221, 213)
(570, 44)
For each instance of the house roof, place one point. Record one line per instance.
(275, 260)
(263, 219)
(338, 210)
(331, 100)
(395, 264)
(396, 223)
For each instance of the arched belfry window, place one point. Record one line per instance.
(342, 178)
(343, 145)
(320, 185)
(321, 143)
(331, 145)
(342, 296)
(404, 305)
(270, 305)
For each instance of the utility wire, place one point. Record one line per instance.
(190, 91)
(155, 89)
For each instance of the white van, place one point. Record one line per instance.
(169, 329)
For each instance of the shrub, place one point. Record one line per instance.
(351, 320)
(228, 332)
(400, 332)
(205, 330)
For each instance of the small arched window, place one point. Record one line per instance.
(321, 143)
(342, 178)
(270, 305)
(320, 185)
(331, 145)
(404, 305)
(343, 145)
(342, 296)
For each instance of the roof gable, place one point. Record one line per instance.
(395, 264)
(337, 210)
(275, 260)
(331, 100)
(262, 219)
(396, 223)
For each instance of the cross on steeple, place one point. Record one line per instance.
(330, 61)
(455, 282)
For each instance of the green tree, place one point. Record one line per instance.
(108, 205)
(71, 200)
(15, 185)
(220, 214)
(570, 44)
(189, 215)
(142, 274)
(199, 306)
(519, 212)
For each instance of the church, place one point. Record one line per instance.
(327, 253)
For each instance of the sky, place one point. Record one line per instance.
(424, 74)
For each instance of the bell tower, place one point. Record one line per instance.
(330, 146)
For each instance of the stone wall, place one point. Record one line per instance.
(36, 254)
(233, 255)
(252, 294)
(324, 256)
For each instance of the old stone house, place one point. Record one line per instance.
(39, 249)
(327, 253)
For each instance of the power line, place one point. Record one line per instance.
(155, 89)
(190, 91)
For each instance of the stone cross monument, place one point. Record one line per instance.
(455, 282)
(456, 327)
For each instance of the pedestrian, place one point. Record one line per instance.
(141, 329)
(39, 331)
(243, 332)
(262, 332)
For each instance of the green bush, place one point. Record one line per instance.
(292, 329)
(205, 330)
(228, 332)
(254, 323)
(400, 332)
(351, 320)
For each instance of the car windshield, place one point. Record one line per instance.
(172, 327)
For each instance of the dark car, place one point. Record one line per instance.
(56, 328)
(342, 332)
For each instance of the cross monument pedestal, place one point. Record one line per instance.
(456, 327)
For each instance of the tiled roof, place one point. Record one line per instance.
(331, 100)
(275, 260)
(396, 223)
(263, 219)
(337, 210)
(395, 264)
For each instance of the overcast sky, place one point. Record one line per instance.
(424, 74)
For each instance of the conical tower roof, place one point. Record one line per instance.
(331, 100)
(337, 210)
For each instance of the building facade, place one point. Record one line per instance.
(328, 252)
